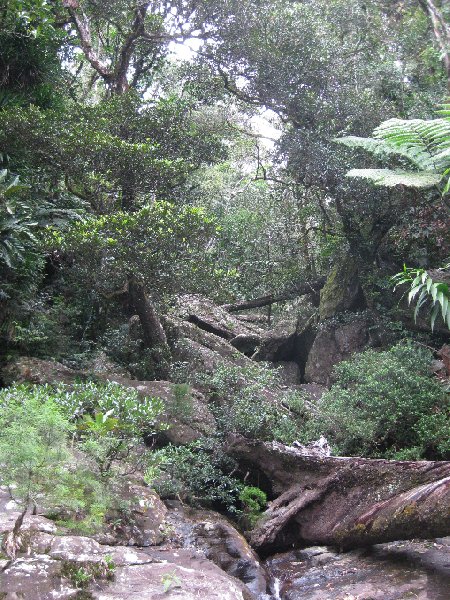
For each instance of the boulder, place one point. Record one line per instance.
(277, 343)
(220, 542)
(182, 330)
(290, 335)
(333, 344)
(289, 372)
(35, 370)
(147, 520)
(179, 574)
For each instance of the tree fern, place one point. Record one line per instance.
(425, 144)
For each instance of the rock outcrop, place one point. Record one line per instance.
(333, 344)
(52, 565)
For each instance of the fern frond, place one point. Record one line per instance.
(392, 178)
(422, 142)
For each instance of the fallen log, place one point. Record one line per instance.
(309, 287)
(344, 501)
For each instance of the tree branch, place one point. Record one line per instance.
(82, 26)
(308, 287)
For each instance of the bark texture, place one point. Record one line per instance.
(345, 501)
(309, 287)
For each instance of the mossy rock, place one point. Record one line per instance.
(342, 290)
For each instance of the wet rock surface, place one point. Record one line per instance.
(50, 565)
(395, 571)
(220, 542)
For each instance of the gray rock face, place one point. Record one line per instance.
(395, 571)
(220, 542)
(212, 318)
(51, 566)
(331, 346)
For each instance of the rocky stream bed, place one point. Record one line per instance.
(173, 551)
(177, 552)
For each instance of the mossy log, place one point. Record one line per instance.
(346, 502)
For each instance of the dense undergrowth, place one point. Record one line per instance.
(73, 449)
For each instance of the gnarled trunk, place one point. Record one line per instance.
(152, 330)
(345, 501)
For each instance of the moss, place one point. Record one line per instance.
(409, 510)
(81, 575)
(340, 290)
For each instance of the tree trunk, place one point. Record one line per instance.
(342, 501)
(310, 287)
(153, 333)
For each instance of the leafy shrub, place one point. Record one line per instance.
(246, 402)
(69, 447)
(136, 414)
(199, 473)
(386, 404)
(254, 501)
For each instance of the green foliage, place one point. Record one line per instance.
(81, 576)
(17, 226)
(254, 502)
(181, 404)
(69, 447)
(170, 581)
(243, 402)
(119, 153)
(386, 404)
(425, 144)
(200, 473)
(111, 421)
(424, 285)
(34, 451)
(162, 244)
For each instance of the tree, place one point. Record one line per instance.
(125, 42)
(34, 453)
(425, 145)
(160, 248)
(439, 14)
